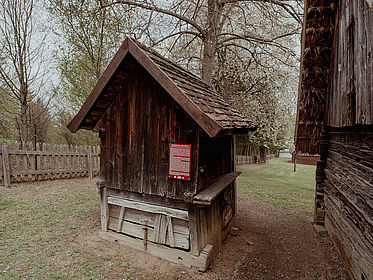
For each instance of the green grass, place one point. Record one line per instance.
(35, 229)
(278, 184)
(47, 229)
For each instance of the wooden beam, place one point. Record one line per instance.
(104, 209)
(6, 164)
(175, 213)
(206, 196)
(121, 218)
(171, 254)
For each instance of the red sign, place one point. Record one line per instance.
(179, 167)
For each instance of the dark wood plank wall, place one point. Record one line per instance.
(350, 99)
(215, 159)
(139, 126)
(349, 199)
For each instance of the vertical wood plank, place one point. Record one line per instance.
(157, 228)
(37, 167)
(17, 162)
(121, 217)
(203, 225)
(193, 230)
(6, 165)
(89, 162)
(61, 161)
(104, 209)
(32, 157)
(234, 185)
(170, 232)
(163, 229)
(45, 167)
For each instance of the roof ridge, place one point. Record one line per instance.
(151, 50)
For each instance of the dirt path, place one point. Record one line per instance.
(49, 230)
(282, 244)
(272, 243)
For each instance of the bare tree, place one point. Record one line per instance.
(20, 67)
(222, 24)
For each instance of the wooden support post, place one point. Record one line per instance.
(234, 189)
(104, 205)
(6, 166)
(145, 227)
(89, 162)
(37, 156)
(170, 231)
(121, 218)
(193, 230)
(203, 224)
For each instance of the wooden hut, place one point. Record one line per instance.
(335, 120)
(167, 156)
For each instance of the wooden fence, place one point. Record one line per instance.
(251, 159)
(23, 163)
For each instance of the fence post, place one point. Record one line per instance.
(89, 162)
(6, 166)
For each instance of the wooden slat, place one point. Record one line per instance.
(6, 164)
(206, 196)
(176, 213)
(136, 216)
(171, 254)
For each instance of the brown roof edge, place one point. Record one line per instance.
(211, 127)
(75, 123)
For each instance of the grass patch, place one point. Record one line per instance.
(43, 225)
(35, 229)
(277, 184)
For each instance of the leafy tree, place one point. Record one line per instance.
(89, 37)
(40, 117)
(265, 95)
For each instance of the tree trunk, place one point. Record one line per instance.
(210, 40)
(23, 125)
(262, 154)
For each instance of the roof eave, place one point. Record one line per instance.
(76, 122)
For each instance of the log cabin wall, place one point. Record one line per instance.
(139, 126)
(349, 200)
(350, 98)
(348, 170)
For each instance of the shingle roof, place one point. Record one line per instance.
(198, 99)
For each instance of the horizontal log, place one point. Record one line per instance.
(136, 216)
(137, 230)
(206, 196)
(176, 213)
(171, 254)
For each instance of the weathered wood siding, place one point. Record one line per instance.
(139, 126)
(350, 98)
(23, 162)
(349, 199)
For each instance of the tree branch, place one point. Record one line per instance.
(159, 10)
(281, 3)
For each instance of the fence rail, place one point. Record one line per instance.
(251, 159)
(23, 163)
